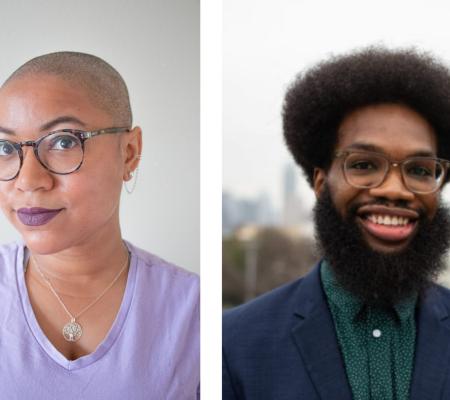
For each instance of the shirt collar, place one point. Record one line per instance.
(351, 305)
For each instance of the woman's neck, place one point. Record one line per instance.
(84, 270)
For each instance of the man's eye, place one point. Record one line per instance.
(63, 143)
(6, 149)
(419, 171)
(363, 165)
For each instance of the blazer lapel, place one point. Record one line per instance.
(432, 348)
(315, 337)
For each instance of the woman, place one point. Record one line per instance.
(86, 315)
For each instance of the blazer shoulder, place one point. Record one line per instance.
(442, 292)
(272, 309)
(263, 303)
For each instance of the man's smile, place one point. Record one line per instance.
(392, 226)
(387, 228)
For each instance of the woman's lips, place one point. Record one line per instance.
(36, 216)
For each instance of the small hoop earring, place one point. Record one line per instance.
(133, 185)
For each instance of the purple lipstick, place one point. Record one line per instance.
(36, 216)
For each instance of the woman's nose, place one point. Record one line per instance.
(33, 175)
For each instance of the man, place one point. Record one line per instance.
(371, 132)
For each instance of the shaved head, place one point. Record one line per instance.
(101, 81)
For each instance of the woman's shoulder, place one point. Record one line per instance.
(154, 265)
(9, 252)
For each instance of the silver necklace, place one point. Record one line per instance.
(72, 331)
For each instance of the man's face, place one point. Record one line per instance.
(88, 199)
(398, 133)
(378, 262)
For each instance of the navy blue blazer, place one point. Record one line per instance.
(283, 346)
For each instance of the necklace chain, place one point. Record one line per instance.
(74, 317)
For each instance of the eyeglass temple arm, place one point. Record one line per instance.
(87, 135)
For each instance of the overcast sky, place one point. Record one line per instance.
(266, 43)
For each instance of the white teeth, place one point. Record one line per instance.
(388, 220)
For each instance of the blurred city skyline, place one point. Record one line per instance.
(294, 212)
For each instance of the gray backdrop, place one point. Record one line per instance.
(154, 44)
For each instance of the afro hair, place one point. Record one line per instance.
(318, 100)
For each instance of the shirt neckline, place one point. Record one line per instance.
(37, 333)
(352, 306)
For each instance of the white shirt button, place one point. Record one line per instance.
(376, 333)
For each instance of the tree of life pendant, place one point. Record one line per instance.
(72, 331)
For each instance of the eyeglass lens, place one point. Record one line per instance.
(368, 170)
(9, 160)
(60, 152)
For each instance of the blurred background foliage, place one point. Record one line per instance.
(258, 259)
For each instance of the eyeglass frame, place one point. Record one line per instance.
(392, 163)
(80, 134)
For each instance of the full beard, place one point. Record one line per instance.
(380, 279)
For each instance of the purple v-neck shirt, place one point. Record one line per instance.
(151, 352)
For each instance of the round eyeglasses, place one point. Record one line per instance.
(61, 152)
(421, 175)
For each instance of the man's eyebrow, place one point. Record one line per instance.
(377, 149)
(61, 120)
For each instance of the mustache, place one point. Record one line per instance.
(353, 209)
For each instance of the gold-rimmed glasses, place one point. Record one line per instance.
(366, 169)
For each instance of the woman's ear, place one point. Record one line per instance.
(319, 180)
(132, 150)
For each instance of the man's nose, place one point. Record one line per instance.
(32, 175)
(393, 187)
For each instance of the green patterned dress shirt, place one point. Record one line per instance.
(377, 345)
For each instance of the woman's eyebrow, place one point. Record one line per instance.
(61, 120)
(7, 131)
(50, 124)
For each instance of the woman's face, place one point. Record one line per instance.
(88, 199)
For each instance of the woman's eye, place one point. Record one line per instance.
(63, 143)
(6, 149)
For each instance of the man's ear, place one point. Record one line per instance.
(319, 180)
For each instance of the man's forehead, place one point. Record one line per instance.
(387, 126)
